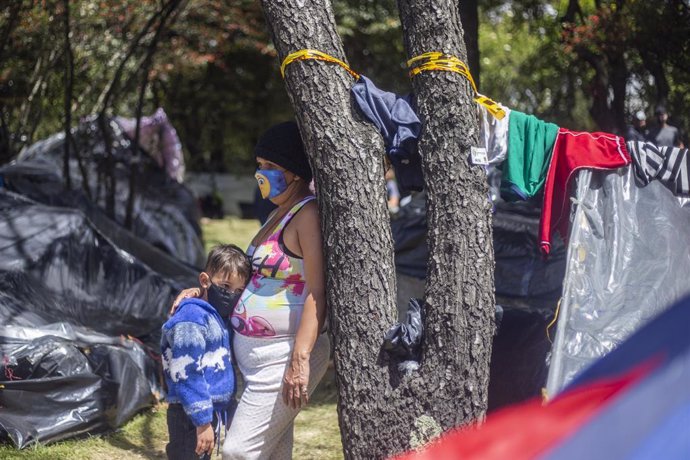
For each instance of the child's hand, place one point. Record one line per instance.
(205, 440)
(186, 294)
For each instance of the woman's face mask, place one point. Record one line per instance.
(271, 182)
(222, 300)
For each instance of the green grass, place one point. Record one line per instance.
(229, 230)
(144, 437)
(317, 435)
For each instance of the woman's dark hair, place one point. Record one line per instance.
(228, 258)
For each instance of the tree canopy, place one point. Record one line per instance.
(584, 64)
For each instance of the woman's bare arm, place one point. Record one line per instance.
(314, 313)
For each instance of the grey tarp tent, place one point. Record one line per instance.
(628, 259)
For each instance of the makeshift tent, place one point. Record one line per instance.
(633, 403)
(58, 383)
(71, 303)
(39, 182)
(56, 264)
(158, 137)
(628, 259)
(165, 212)
(527, 291)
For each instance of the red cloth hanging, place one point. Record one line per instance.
(572, 151)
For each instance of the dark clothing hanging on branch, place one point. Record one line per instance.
(400, 127)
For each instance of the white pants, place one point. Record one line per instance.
(262, 427)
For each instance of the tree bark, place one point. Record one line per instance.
(347, 159)
(381, 409)
(460, 305)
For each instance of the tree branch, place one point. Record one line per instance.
(69, 88)
(134, 167)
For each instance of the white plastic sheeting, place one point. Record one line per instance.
(628, 260)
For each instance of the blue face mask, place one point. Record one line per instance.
(271, 182)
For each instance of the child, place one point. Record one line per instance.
(195, 346)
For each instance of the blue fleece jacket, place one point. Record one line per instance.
(195, 346)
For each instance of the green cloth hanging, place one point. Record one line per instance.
(530, 145)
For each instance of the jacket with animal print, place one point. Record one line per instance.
(197, 362)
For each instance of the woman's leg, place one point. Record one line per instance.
(262, 422)
(283, 448)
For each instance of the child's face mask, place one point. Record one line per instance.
(222, 300)
(271, 182)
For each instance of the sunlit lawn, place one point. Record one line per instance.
(316, 436)
(316, 428)
(229, 230)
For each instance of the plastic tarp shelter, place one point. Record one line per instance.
(79, 323)
(628, 260)
(527, 291)
(165, 213)
(159, 138)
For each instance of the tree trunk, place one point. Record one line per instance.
(383, 410)
(347, 158)
(654, 66)
(600, 110)
(619, 83)
(460, 305)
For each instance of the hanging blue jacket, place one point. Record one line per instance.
(195, 347)
(400, 127)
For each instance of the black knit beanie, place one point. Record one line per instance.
(282, 144)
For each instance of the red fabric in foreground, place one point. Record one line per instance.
(527, 430)
(572, 151)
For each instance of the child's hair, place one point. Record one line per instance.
(228, 258)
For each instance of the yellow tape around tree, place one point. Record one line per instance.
(306, 54)
(436, 60)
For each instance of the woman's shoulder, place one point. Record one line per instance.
(307, 213)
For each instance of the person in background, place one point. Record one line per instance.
(637, 131)
(392, 191)
(197, 361)
(664, 135)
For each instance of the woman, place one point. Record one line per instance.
(278, 341)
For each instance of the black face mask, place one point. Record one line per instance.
(222, 300)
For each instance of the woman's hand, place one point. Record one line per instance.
(296, 381)
(186, 294)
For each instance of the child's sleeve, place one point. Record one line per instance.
(188, 343)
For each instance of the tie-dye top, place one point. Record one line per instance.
(271, 304)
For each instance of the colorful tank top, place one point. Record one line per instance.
(272, 303)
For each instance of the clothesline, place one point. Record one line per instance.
(533, 155)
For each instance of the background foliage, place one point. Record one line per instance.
(583, 64)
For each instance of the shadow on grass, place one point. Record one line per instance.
(326, 392)
(148, 441)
